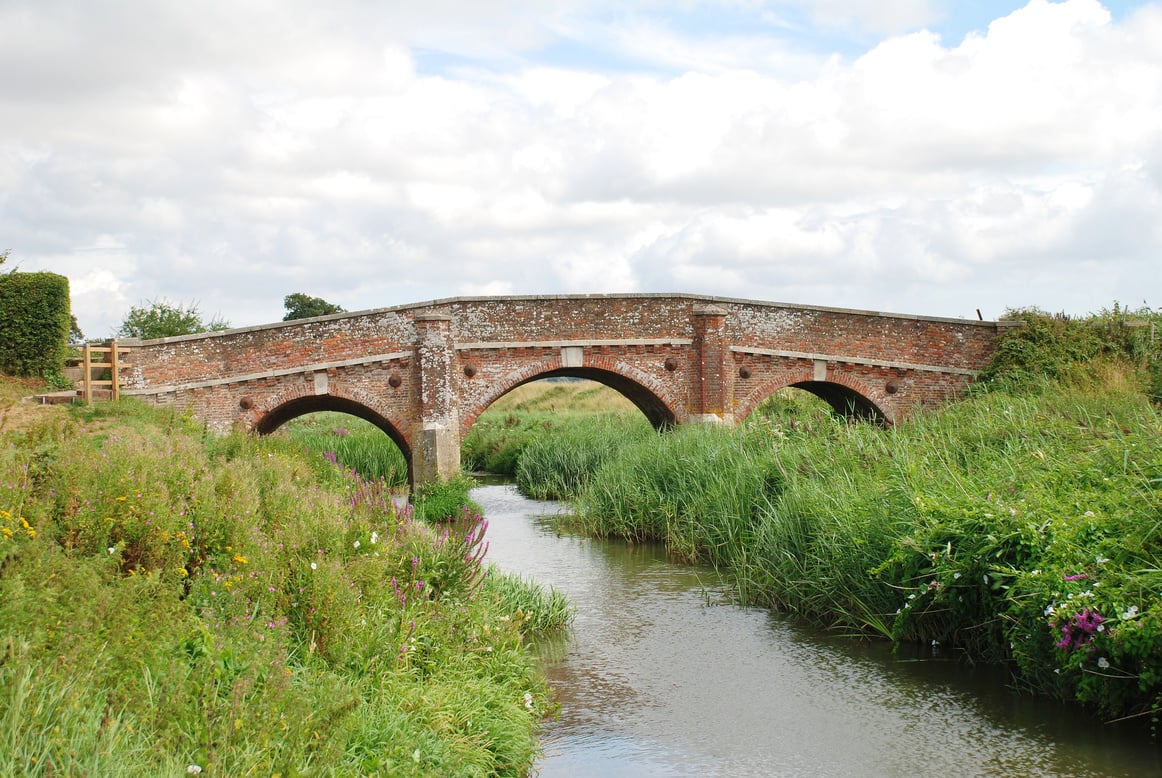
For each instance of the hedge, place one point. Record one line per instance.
(34, 323)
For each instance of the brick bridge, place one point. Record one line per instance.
(424, 373)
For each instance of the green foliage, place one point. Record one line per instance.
(561, 460)
(34, 323)
(163, 319)
(353, 443)
(442, 500)
(543, 409)
(302, 306)
(526, 602)
(168, 600)
(1056, 347)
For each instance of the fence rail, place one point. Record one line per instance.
(112, 360)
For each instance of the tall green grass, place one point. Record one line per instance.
(560, 462)
(169, 600)
(352, 442)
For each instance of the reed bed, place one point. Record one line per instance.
(1011, 528)
(355, 443)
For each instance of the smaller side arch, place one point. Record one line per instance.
(847, 395)
(290, 405)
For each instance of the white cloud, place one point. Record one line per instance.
(305, 147)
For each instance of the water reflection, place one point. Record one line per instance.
(655, 679)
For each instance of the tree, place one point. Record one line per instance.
(301, 306)
(163, 319)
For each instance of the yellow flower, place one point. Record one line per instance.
(240, 559)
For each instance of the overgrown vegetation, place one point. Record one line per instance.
(171, 603)
(543, 409)
(1022, 525)
(355, 443)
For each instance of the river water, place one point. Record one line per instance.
(659, 676)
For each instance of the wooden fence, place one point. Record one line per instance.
(112, 361)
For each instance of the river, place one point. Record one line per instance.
(660, 676)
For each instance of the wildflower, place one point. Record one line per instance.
(314, 566)
(1103, 663)
(112, 549)
(1130, 612)
(240, 559)
(1077, 577)
(193, 769)
(356, 544)
(529, 700)
(374, 537)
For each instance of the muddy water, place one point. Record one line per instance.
(658, 677)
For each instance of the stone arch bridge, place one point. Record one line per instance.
(424, 373)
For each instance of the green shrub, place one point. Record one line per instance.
(34, 323)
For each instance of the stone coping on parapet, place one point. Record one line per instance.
(445, 301)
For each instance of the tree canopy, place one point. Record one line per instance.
(303, 306)
(163, 319)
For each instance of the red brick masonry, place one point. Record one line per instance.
(425, 372)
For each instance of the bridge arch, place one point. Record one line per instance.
(635, 386)
(847, 395)
(285, 408)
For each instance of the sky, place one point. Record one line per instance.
(929, 157)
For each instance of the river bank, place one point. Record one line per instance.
(172, 602)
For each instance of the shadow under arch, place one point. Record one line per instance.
(653, 407)
(845, 401)
(301, 406)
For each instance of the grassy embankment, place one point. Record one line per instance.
(171, 601)
(1022, 525)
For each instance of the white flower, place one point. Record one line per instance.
(1103, 663)
(314, 566)
(374, 537)
(112, 550)
(356, 544)
(1131, 612)
(193, 769)
(529, 700)
(986, 578)
(955, 576)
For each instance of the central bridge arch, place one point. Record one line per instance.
(657, 409)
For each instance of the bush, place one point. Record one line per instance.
(34, 323)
